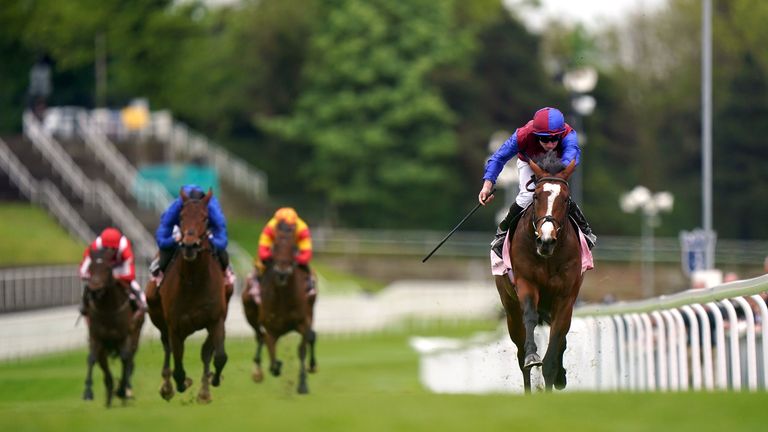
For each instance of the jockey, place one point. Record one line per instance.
(547, 131)
(168, 235)
(124, 268)
(303, 243)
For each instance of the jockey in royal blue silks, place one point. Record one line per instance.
(547, 131)
(168, 236)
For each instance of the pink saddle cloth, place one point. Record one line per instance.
(503, 265)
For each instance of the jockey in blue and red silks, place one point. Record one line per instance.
(547, 131)
(168, 235)
(124, 267)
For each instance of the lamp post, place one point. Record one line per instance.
(651, 204)
(579, 82)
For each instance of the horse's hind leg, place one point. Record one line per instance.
(554, 372)
(88, 393)
(258, 374)
(311, 339)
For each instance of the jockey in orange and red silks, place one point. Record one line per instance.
(547, 131)
(303, 255)
(124, 267)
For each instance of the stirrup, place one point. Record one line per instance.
(591, 240)
(498, 242)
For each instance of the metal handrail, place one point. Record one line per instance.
(45, 194)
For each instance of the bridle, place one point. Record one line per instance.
(200, 244)
(546, 218)
(95, 294)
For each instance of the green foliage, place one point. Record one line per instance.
(30, 236)
(377, 134)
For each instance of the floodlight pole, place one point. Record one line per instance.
(706, 126)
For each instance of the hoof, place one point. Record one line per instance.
(88, 395)
(204, 398)
(216, 380)
(275, 368)
(257, 375)
(166, 391)
(532, 360)
(303, 389)
(312, 369)
(560, 380)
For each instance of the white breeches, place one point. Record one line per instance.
(524, 174)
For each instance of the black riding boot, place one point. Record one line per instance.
(84, 301)
(575, 212)
(163, 260)
(509, 222)
(223, 258)
(310, 279)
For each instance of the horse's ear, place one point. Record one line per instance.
(183, 194)
(568, 171)
(537, 171)
(208, 196)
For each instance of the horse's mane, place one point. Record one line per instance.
(549, 162)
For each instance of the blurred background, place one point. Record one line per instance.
(374, 120)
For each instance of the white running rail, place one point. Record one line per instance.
(44, 193)
(704, 339)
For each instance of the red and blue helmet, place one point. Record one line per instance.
(548, 121)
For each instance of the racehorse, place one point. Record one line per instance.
(113, 329)
(546, 267)
(285, 306)
(191, 297)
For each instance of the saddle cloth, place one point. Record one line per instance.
(503, 265)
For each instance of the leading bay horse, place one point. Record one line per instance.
(113, 327)
(192, 296)
(286, 305)
(546, 267)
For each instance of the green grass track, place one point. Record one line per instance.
(364, 383)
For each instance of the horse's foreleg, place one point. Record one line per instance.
(108, 381)
(166, 388)
(311, 339)
(515, 326)
(179, 374)
(529, 301)
(126, 359)
(554, 372)
(88, 393)
(302, 387)
(219, 353)
(275, 365)
(206, 353)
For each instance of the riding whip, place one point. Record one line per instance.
(457, 227)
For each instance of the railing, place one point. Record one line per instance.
(475, 245)
(45, 194)
(92, 192)
(690, 340)
(28, 288)
(148, 193)
(233, 169)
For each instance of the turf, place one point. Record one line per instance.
(31, 237)
(364, 383)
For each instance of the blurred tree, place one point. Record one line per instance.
(379, 139)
